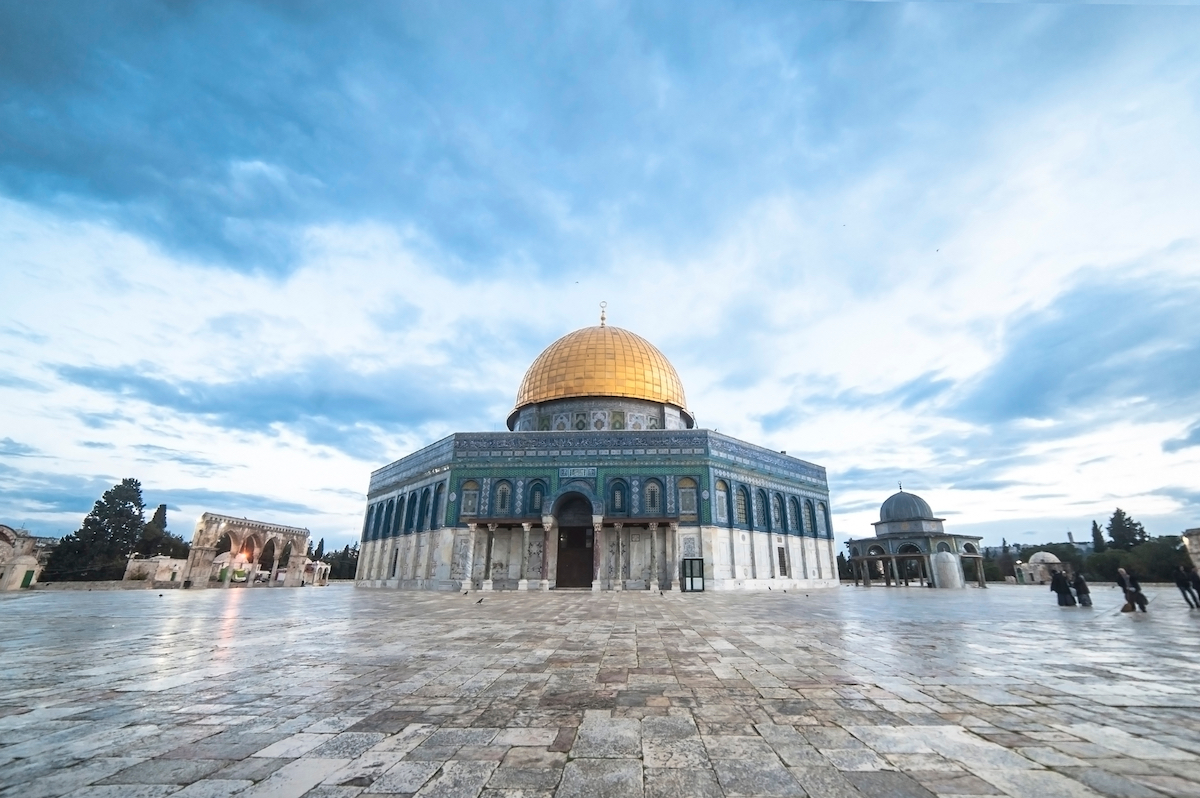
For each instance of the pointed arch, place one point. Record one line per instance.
(721, 502)
(741, 507)
(439, 498)
(502, 498)
(618, 498)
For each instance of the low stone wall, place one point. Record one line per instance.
(119, 584)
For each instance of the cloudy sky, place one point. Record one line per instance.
(250, 252)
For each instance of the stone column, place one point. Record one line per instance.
(486, 585)
(866, 566)
(771, 554)
(523, 584)
(653, 557)
(598, 556)
(619, 582)
(274, 567)
(545, 571)
(467, 582)
(676, 557)
(979, 573)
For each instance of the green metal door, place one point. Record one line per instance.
(28, 580)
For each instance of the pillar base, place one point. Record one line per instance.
(596, 587)
(544, 584)
(618, 585)
(654, 586)
(467, 586)
(523, 584)
(675, 586)
(486, 586)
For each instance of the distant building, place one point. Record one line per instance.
(1037, 570)
(603, 481)
(160, 568)
(249, 542)
(911, 545)
(22, 557)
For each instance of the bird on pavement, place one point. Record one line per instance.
(479, 602)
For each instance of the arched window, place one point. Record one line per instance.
(537, 497)
(969, 548)
(721, 503)
(380, 514)
(653, 496)
(399, 520)
(778, 523)
(367, 522)
(424, 517)
(618, 497)
(687, 497)
(503, 503)
(822, 521)
(854, 551)
(760, 509)
(794, 517)
(435, 515)
(470, 497)
(739, 506)
(943, 546)
(410, 521)
(810, 523)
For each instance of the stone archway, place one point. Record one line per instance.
(573, 521)
(245, 537)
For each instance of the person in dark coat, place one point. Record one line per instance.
(1082, 591)
(1183, 581)
(1195, 577)
(1060, 585)
(1133, 589)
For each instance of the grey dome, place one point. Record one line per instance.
(905, 507)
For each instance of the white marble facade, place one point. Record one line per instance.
(734, 559)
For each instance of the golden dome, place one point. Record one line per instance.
(601, 361)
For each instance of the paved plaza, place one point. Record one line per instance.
(846, 692)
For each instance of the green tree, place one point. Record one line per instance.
(1005, 563)
(343, 564)
(1124, 532)
(1098, 544)
(320, 552)
(157, 540)
(1152, 561)
(101, 546)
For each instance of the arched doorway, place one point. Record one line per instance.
(575, 541)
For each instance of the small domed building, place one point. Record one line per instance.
(603, 481)
(911, 545)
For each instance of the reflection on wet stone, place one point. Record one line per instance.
(846, 694)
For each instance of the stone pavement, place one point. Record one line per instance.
(847, 692)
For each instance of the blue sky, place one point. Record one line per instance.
(253, 251)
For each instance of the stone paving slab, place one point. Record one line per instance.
(344, 693)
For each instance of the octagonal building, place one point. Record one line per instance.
(602, 482)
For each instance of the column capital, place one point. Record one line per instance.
(618, 525)
(472, 527)
(653, 526)
(674, 526)
(527, 526)
(492, 527)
